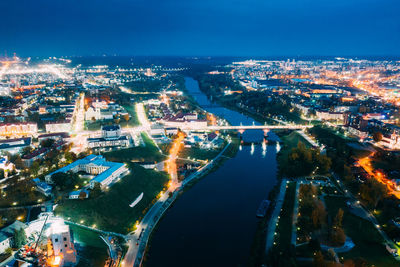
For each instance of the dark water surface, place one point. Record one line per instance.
(213, 223)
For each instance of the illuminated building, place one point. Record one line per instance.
(18, 129)
(111, 137)
(60, 246)
(329, 116)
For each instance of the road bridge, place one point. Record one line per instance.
(247, 127)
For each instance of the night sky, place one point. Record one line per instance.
(200, 27)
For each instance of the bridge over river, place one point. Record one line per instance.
(242, 128)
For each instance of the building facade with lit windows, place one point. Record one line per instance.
(18, 129)
(60, 246)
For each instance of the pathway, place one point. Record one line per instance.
(273, 221)
(295, 212)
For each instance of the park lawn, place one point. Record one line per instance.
(93, 125)
(198, 153)
(149, 152)
(369, 243)
(284, 228)
(110, 211)
(133, 121)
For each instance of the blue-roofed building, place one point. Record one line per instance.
(76, 194)
(106, 172)
(43, 187)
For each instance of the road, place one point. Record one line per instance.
(246, 127)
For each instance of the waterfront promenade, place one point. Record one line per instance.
(273, 221)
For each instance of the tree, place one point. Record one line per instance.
(27, 150)
(338, 218)
(70, 157)
(1, 173)
(372, 192)
(126, 117)
(35, 167)
(318, 259)
(2, 222)
(377, 136)
(96, 191)
(349, 263)
(82, 195)
(318, 215)
(337, 236)
(19, 238)
(47, 142)
(65, 181)
(8, 251)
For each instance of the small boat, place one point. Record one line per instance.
(263, 208)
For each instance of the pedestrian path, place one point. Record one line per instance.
(275, 216)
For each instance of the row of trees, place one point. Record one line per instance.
(314, 218)
(303, 161)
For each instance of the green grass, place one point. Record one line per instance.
(369, 243)
(149, 152)
(198, 153)
(132, 112)
(110, 211)
(92, 249)
(284, 228)
(95, 125)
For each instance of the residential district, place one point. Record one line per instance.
(92, 156)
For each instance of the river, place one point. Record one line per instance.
(213, 223)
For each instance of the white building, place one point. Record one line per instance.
(111, 137)
(106, 172)
(57, 127)
(93, 114)
(62, 249)
(329, 116)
